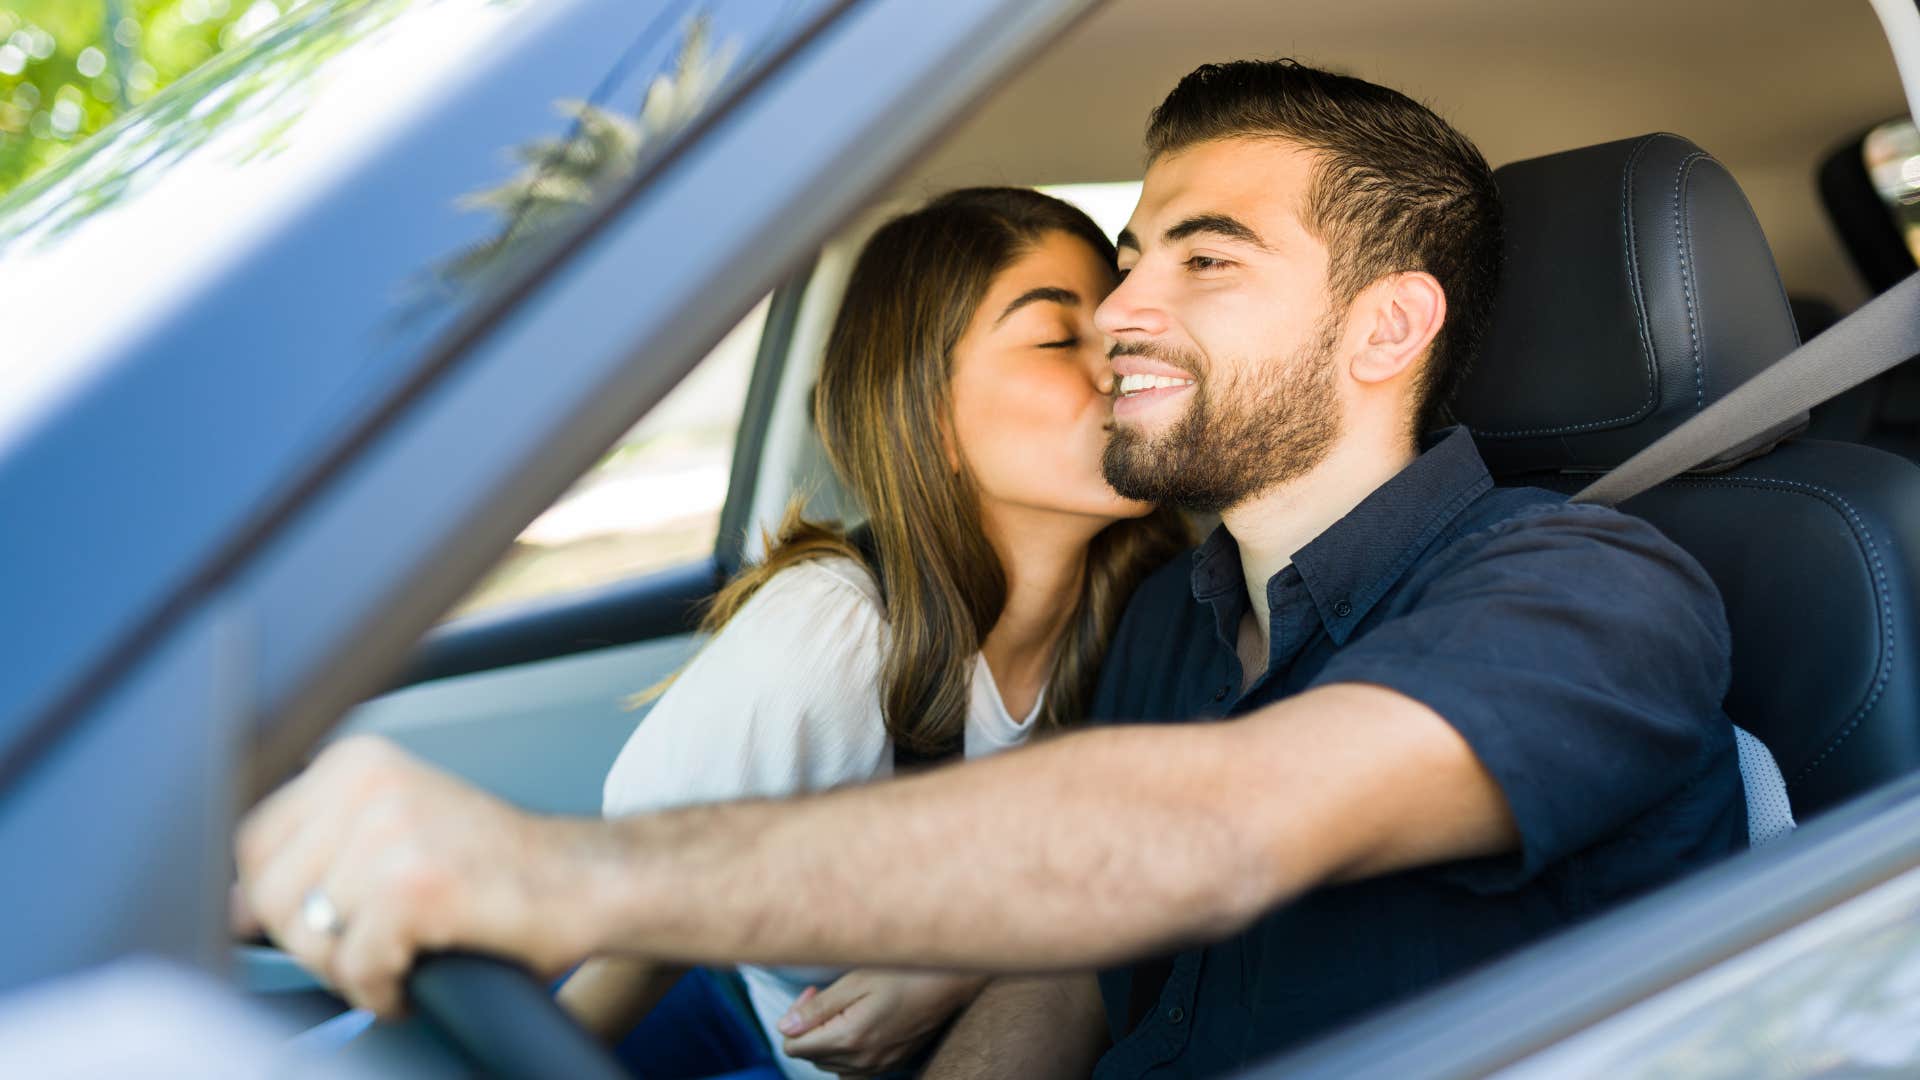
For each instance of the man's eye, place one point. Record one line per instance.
(1205, 262)
(1063, 343)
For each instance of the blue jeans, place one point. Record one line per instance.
(698, 1032)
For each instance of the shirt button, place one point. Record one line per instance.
(1342, 609)
(1176, 1014)
(1221, 694)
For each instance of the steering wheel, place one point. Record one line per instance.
(506, 1020)
(495, 1013)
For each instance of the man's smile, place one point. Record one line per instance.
(1141, 382)
(1138, 394)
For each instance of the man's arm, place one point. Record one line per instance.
(1044, 1027)
(1069, 855)
(1074, 854)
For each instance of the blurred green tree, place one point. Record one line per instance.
(69, 67)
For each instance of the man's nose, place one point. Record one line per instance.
(1131, 309)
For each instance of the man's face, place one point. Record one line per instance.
(1225, 296)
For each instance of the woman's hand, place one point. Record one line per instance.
(867, 1022)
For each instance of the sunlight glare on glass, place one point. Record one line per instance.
(256, 18)
(356, 104)
(66, 118)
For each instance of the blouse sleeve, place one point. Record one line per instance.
(784, 700)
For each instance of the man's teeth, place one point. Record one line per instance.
(1133, 384)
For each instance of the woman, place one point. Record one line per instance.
(964, 400)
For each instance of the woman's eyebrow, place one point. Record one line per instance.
(1045, 292)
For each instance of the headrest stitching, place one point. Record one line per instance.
(1863, 537)
(1634, 284)
(1683, 241)
(1639, 318)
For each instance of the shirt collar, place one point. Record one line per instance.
(1351, 565)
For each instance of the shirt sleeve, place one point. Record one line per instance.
(1583, 657)
(783, 700)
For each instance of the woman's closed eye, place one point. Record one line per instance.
(1063, 343)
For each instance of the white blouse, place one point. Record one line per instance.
(785, 700)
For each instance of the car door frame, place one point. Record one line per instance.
(222, 695)
(1515, 1009)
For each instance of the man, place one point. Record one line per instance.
(1453, 718)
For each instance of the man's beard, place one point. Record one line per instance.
(1238, 438)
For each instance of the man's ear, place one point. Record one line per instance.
(1402, 313)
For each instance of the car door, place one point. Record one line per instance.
(533, 683)
(315, 488)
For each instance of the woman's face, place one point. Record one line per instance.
(1031, 385)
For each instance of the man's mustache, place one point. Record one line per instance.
(1153, 350)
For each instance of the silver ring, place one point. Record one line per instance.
(319, 915)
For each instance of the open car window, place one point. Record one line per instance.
(653, 501)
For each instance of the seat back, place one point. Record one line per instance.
(1638, 288)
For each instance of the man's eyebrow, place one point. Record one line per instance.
(1223, 225)
(1045, 292)
(1126, 239)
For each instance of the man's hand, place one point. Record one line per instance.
(868, 1022)
(413, 861)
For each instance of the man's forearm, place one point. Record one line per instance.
(1067, 855)
(1044, 1027)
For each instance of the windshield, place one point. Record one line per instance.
(226, 284)
(153, 209)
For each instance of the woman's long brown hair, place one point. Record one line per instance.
(883, 407)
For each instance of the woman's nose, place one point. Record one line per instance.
(1099, 364)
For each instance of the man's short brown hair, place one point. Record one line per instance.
(1395, 188)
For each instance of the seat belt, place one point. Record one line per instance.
(1883, 334)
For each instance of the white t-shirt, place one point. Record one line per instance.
(785, 700)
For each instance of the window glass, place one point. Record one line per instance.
(520, 115)
(653, 501)
(1108, 204)
(1892, 153)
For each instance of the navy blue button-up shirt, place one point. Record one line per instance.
(1580, 653)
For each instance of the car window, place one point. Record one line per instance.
(1109, 204)
(653, 501)
(282, 249)
(1892, 153)
(204, 171)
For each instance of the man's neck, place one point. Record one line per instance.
(1272, 526)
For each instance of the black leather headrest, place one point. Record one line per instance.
(1637, 289)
